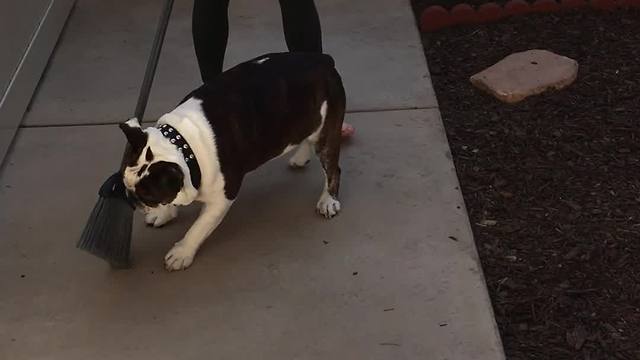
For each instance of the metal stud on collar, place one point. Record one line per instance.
(178, 140)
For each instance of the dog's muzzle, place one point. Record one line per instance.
(133, 200)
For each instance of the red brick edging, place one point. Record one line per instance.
(437, 17)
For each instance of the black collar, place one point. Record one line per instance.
(180, 142)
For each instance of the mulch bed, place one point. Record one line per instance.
(447, 4)
(552, 184)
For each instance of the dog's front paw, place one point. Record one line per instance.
(179, 257)
(328, 206)
(160, 215)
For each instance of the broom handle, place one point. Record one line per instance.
(152, 64)
(153, 60)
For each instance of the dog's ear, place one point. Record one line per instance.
(136, 137)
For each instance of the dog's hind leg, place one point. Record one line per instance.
(328, 150)
(328, 204)
(302, 155)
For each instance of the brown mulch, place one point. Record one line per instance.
(552, 184)
(448, 4)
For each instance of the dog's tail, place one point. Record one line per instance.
(328, 60)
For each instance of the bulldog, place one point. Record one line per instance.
(252, 113)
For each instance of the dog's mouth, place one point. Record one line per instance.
(133, 199)
(139, 201)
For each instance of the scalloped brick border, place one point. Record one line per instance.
(437, 17)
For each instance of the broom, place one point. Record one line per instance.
(107, 233)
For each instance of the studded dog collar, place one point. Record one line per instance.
(180, 142)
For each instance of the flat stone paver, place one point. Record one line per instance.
(526, 73)
(275, 281)
(97, 69)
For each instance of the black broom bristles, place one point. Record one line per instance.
(108, 230)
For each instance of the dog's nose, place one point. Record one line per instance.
(133, 199)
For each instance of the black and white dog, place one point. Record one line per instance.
(250, 114)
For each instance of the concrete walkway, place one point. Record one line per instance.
(395, 276)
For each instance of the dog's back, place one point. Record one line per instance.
(261, 106)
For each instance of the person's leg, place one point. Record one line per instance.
(210, 29)
(301, 25)
(302, 32)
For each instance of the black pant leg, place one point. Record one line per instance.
(301, 25)
(210, 30)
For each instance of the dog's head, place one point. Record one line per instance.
(155, 173)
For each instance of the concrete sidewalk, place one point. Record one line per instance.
(395, 276)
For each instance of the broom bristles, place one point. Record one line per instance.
(107, 233)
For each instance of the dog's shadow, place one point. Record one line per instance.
(272, 197)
